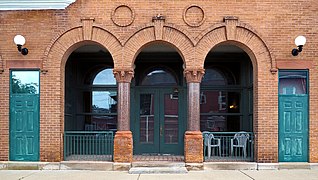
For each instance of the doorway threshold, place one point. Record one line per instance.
(158, 157)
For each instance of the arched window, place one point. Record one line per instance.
(105, 77)
(217, 77)
(101, 102)
(159, 77)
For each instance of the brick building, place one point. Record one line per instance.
(157, 74)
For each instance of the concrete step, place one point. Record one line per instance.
(158, 167)
(158, 170)
(157, 164)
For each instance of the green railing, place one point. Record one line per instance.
(88, 145)
(228, 146)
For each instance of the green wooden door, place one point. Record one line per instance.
(24, 116)
(158, 126)
(293, 117)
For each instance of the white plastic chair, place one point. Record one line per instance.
(240, 141)
(211, 142)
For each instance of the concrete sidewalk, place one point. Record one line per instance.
(115, 175)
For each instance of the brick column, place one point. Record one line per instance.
(193, 141)
(123, 142)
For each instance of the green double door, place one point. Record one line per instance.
(159, 121)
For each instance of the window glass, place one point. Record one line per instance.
(219, 102)
(159, 77)
(104, 102)
(217, 77)
(25, 82)
(292, 82)
(105, 77)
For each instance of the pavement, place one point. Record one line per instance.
(295, 174)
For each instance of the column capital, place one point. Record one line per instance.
(123, 75)
(193, 75)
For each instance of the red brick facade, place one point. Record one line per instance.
(265, 30)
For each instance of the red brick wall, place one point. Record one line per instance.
(265, 29)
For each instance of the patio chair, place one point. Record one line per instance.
(240, 141)
(211, 142)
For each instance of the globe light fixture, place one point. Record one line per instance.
(300, 41)
(19, 40)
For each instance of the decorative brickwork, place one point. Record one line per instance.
(193, 147)
(123, 147)
(125, 30)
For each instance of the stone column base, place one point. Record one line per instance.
(123, 147)
(193, 147)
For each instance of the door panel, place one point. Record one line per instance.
(24, 128)
(157, 128)
(169, 123)
(293, 128)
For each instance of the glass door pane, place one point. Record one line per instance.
(171, 119)
(147, 118)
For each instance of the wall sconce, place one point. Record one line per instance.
(20, 41)
(300, 41)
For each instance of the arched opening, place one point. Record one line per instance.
(226, 103)
(90, 104)
(158, 101)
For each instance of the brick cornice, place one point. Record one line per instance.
(193, 75)
(123, 75)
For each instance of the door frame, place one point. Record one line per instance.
(280, 156)
(159, 92)
(11, 147)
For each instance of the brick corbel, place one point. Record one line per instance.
(193, 75)
(158, 21)
(230, 26)
(123, 75)
(87, 28)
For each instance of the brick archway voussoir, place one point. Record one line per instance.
(147, 35)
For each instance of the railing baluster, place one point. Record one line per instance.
(88, 145)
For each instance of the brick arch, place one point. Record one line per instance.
(242, 35)
(152, 33)
(52, 81)
(265, 110)
(60, 48)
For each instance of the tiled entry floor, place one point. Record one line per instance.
(172, 158)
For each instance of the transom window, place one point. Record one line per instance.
(159, 77)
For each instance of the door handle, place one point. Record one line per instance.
(160, 130)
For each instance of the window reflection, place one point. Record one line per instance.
(216, 103)
(159, 77)
(105, 77)
(293, 82)
(25, 82)
(100, 104)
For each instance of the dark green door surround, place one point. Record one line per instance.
(24, 116)
(158, 121)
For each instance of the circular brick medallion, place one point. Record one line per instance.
(193, 15)
(123, 15)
